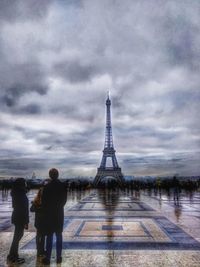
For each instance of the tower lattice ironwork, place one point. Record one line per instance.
(109, 153)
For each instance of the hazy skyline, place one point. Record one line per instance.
(59, 59)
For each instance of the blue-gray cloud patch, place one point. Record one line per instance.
(75, 71)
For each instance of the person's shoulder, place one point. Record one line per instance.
(60, 185)
(58, 182)
(54, 184)
(46, 187)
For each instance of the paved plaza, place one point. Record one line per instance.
(118, 228)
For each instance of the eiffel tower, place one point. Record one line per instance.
(109, 153)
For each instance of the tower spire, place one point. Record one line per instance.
(108, 133)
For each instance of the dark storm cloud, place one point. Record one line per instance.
(59, 59)
(30, 109)
(20, 10)
(74, 112)
(18, 81)
(180, 42)
(144, 131)
(83, 142)
(21, 166)
(75, 71)
(5, 153)
(12, 94)
(29, 74)
(166, 166)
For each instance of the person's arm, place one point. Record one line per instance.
(44, 198)
(34, 207)
(26, 211)
(23, 210)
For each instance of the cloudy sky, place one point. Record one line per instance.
(59, 58)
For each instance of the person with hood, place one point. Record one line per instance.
(20, 218)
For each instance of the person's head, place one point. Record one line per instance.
(53, 174)
(19, 183)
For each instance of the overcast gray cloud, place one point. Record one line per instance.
(59, 59)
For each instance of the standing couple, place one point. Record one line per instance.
(49, 217)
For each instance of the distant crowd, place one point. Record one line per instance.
(84, 184)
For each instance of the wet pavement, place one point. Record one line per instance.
(117, 228)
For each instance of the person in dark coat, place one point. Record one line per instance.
(53, 200)
(20, 218)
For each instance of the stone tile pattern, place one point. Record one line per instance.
(91, 224)
(129, 233)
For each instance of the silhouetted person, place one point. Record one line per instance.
(176, 189)
(20, 218)
(5, 187)
(53, 201)
(158, 186)
(39, 221)
(177, 212)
